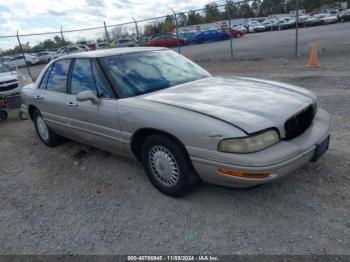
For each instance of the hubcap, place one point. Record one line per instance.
(164, 166)
(42, 128)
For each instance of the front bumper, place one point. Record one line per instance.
(278, 160)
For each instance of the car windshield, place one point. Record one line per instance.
(144, 72)
(4, 68)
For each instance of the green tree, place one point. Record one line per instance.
(233, 8)
(182, 19)
(246, 10)
(212, 13)
(194, 18)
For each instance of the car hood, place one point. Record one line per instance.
(6, 76)
(249, 104)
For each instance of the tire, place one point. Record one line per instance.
(45, 133)
(3, 115)
(22, 115)
(239, 35)
(160, 154)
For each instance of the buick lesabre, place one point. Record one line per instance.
(183, 124)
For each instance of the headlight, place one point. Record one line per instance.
(249, 144)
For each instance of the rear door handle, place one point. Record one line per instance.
(71, 104)
(38, 97)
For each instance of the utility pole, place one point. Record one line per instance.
(177, 31)
(64, 42)
(106, 32)
(24, 57)
(137, 28)
(297, 6)
(229, 27)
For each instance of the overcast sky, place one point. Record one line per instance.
(30, 16)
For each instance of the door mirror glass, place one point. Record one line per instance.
(86, 96)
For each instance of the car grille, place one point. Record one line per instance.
(297, 124)
(8, 85)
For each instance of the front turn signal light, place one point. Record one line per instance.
(243, 174)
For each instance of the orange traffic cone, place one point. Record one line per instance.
(189, 55)
(313, 61)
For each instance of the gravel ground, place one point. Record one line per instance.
(76, 199)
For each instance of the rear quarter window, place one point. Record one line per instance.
(57, 81)
(43, 81)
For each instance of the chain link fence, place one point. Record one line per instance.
(233, 34)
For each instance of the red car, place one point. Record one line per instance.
(236, 33)
(167, 41)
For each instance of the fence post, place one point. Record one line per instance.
(64, 42)
(229, 25)
(137, 29)
(24, 57)
(106, 32)
(297, 27)
(177, 32)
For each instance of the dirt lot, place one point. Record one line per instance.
(76, 199)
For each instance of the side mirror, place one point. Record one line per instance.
(86, 96)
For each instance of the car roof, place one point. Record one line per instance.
(111, 52)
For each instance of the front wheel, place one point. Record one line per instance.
(168, 166)
(22, 115)
(45, 133)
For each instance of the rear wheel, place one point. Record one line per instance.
(45, 133)
(3, 115)
(167, 165)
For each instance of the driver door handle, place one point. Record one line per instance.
(71, 104)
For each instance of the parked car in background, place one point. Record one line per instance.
(45, 56)
(189, 35)
(237, 33)
(9, 80)
(127, 43)
(167, 41)
(329, 19)
(312, 21)
(286, 22)
(18, 60)
(91, 46)
(210, 36)
(234, 33)
(269, 26)
(69, 50)
(5, 59)
(102, 45)
(156, 35)
(240, 27)
(344, 16)
(282, 25)
(255, 27)
(86, 47)
(180, 122)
